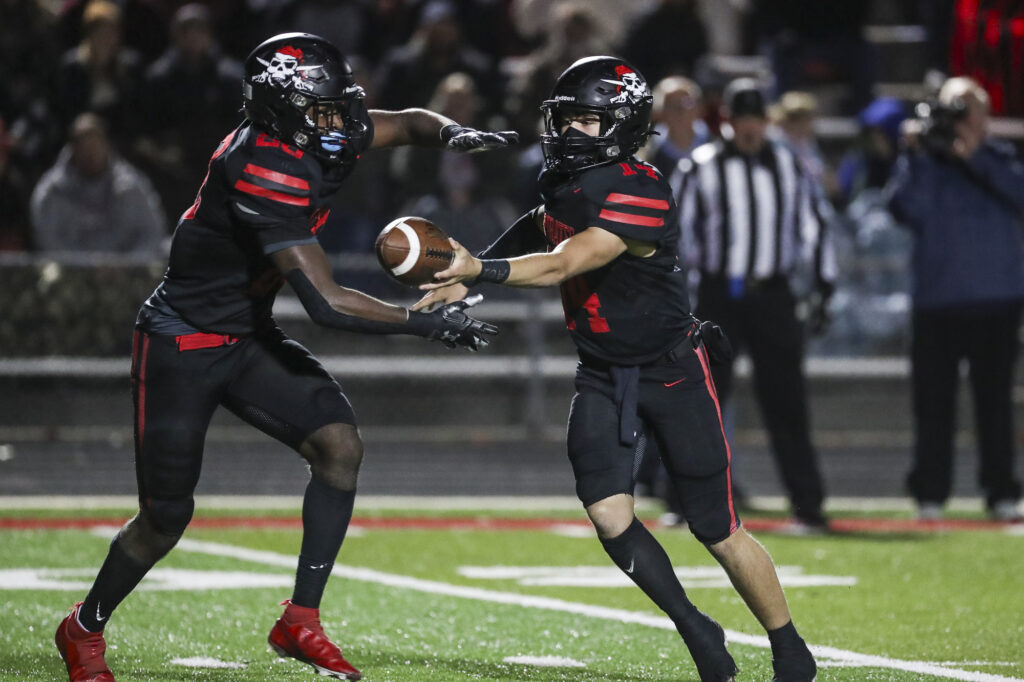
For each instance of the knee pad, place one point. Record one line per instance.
(705, 503)
(169, 517)
(334, 456)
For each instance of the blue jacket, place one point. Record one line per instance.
(969, 234)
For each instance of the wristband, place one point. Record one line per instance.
(449, 131)
(494, 270)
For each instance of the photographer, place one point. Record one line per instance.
(960, 194)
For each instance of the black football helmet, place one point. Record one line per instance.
(299, 88)
(609, 87)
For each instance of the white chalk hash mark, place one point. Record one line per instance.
(207, 662)
(546, 661)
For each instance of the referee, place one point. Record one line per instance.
(751, 218)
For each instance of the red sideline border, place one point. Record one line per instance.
(838, 526)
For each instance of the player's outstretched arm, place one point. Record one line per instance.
(584, 251)
(311, 261)
(429, 129)
(306, 269)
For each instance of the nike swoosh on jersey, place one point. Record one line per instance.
(677, 381)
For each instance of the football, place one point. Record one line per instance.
(412, 249)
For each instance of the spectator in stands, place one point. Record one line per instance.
(872, 305)
(793, 117)
(666, 38)
(13, 198)
(29, 137)
(409, 74)
(192, 77)
(344, 23)
(960, 195)
(868, 164)
(493, 29)
(813, 44)
(461, 192)
(100, 75)
(573, 33)
(389, 23)
(144, 24)
(678, 108)
(533, 18)
(27, 49)
(93, 200)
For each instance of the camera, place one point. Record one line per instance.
(938, 124)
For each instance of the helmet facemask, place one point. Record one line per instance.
(568, 150)
(328, 125)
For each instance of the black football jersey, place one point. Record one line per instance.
(259, 196)
(632, 310)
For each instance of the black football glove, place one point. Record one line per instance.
(819, 317)
(716, 343)
(462, 139)
(450, 325)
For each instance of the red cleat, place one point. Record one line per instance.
(82, 650)
(297, 634)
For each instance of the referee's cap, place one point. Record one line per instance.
(743, 97)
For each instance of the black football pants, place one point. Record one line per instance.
(677, 408)
(988, 340)
(268, 380)
(763, 322)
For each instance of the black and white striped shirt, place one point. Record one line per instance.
(751, 217)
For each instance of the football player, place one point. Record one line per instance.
(206, 336)
(605, 235)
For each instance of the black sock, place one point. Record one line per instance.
(637, 553)
(326, 513)
(118, 576)
(785, 639)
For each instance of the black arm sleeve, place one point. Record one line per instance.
(521, 238)
(321, 312)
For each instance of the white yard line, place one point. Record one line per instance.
(547, 603)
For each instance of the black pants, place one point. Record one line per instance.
(987, 339)
(763, 322)
(268, 380)
(676, 408)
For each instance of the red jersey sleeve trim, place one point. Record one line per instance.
(632, 200)
(631, 219)
(271, 194)
(275, 176)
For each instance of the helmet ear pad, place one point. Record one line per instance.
(617, 94)
(291, 81)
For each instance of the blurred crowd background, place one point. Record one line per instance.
(109, 110)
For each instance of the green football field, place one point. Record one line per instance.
(463, 595)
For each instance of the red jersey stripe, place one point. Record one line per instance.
(274, 176)
(631, 200)
(271, 194)
(631, 219)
